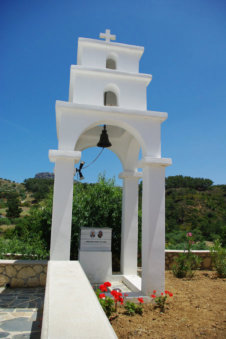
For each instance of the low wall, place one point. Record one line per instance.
(32, 273)
(71, 308)
(23, 273)
(171, 255)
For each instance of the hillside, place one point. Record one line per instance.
(202, 212)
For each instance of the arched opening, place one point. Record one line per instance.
(110, 99)
(99, 203)
(110, 63)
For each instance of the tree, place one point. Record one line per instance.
(13, 205)
(39, 187)
(97, 205)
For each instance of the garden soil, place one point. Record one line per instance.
(196, 310)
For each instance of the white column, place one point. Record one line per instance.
(62, 203)
(153, 225)
(129, 233)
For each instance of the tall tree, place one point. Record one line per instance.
(13, 205)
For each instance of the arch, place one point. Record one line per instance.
(110, 99)
(110, 63)
(132, 131)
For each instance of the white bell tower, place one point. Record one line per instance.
(107, 88)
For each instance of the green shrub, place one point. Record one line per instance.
(5, 221)
(186, 262)
(107, 303)
(132, 308)
(32, 249)
(218, 256)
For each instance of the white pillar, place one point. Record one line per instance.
(129, 233)
(62, 203)
(153, 225)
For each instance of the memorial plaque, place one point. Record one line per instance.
(95, 239)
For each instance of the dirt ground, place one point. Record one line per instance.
(196, 310)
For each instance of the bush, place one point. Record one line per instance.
(5, 221)
(13, 205)
(132, 308)
(97, 205)
(218, 255)
(32, 249)
(39, 187)
(186, 262)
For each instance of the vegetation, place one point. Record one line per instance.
(13, 205)
(198, 209)
(97, 205)
(186, 262)
(192, 205)
(39, 187)
(32, 248)
(218, 255)
(160, 301)
(132, 308)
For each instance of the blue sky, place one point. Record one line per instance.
(185, 51)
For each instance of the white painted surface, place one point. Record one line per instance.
(142, 126)
(62, 209)
(133, 282)
(130, 127)
(153, 229)
(87, 86)
(71, 308)
(65, 155)
(93, 53)
(129, 233)
(96, 265)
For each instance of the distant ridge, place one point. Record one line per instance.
(44, 175)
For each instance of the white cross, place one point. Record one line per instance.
(107, 35)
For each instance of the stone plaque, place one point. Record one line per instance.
(95, 239)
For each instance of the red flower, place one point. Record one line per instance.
(162, 293)
(153, 296)
(154, 291)
(170, 294)
(102, 295)
(107, 284)
(103, 288)
(126, 295)
(120, 300)
(141, 300)
(166, 292)
(114, 293)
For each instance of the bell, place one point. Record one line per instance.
(104, 141)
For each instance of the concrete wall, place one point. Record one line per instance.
(71, 308)
(89, 88)
(94, 53)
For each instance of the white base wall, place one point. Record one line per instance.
(71, 308)
(96, 265)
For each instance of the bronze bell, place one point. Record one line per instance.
(104, 141)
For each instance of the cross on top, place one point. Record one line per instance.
(107, 35)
